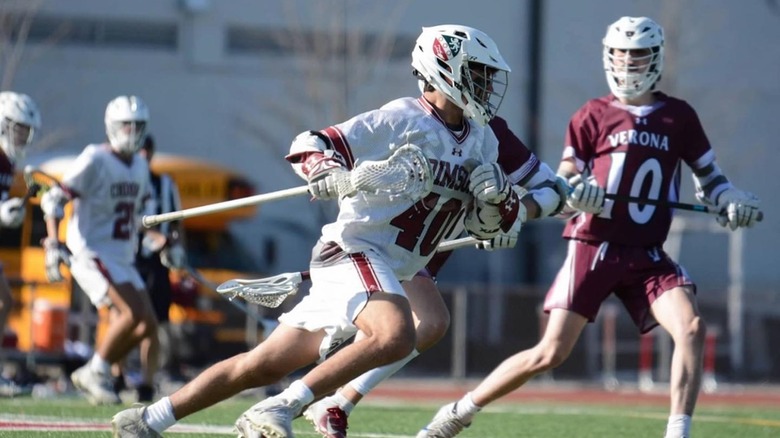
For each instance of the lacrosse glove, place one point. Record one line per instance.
(489, 183)
(12, 213)
(52, 202)
(321, 170)
(503, 240)
(738, 209)
(586, 195)
(54, 255)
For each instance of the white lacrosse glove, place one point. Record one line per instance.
(738, 209)
(12, 212)
(586, 196)
(321, 171)
(483, 221)
(503, 240)
(173, 257)
(52, 258)
(52, 202)
(489, 183)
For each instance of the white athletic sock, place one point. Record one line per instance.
(298, 391)
(342, 402)
(99, 365)
(679, 426)
(465, 408)
(370, 379)
(159, 415)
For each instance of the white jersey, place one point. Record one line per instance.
(108, 196)
(405, 233)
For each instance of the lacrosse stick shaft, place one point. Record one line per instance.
(454, 244)
(676, 205)
(152, 220)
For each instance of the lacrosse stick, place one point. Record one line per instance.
(671, 204)
(37, 183)
(272, 291)
(404, 175)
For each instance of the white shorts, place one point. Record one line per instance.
(341, 286)
(95, 274)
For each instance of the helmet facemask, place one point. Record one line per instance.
(633, 56)
(483, 88)
(15, 137)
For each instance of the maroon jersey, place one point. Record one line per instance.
(634, 151)
(6, 175)
(514, 157)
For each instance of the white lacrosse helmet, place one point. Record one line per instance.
(633, 33)
(448, 56)
(20, 120)
(126, 119)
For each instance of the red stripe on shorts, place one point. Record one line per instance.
(366, 272)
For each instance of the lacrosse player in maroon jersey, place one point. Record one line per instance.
(630, 142)
(375, 243)
(19, 119)
(542, 197)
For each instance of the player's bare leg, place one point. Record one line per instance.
(431, 320)
(676, 311)
(563, 330)
(134, 321)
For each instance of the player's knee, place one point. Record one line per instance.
(431, 331)
(396, 346)
(696, 330)
(550, 357)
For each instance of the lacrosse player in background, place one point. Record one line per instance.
(108, 184)
(375, 243)
(160, 249)
(19, 119)
(633, 138)
(541, 197)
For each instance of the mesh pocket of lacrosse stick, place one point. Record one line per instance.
(38, 181)
(405, 174)
(267, 292)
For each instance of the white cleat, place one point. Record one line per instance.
(328, 418)
(271, 418)
(130, 424)
(98, 388)
(445, 424)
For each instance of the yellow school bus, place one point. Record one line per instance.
(45, 314)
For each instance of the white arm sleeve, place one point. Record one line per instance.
(542, 188)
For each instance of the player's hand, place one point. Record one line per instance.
(52, 259)
(12, 212)
(586, 195)
(321, 171)
(503, 240)
(52, 202)
(738, 209)
(489, 183)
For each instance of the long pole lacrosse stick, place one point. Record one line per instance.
(671, 204)
(404, 174)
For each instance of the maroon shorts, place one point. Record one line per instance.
(636, 275)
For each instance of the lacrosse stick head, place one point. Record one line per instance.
(406, 174)
(268, 292)
(38, 181)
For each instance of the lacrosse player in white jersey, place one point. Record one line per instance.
(540, 196)
(108, 184)
(375, 243)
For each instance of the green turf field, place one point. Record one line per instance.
(47, 418)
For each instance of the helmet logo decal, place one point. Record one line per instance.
(446, 47)
(630, 33)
